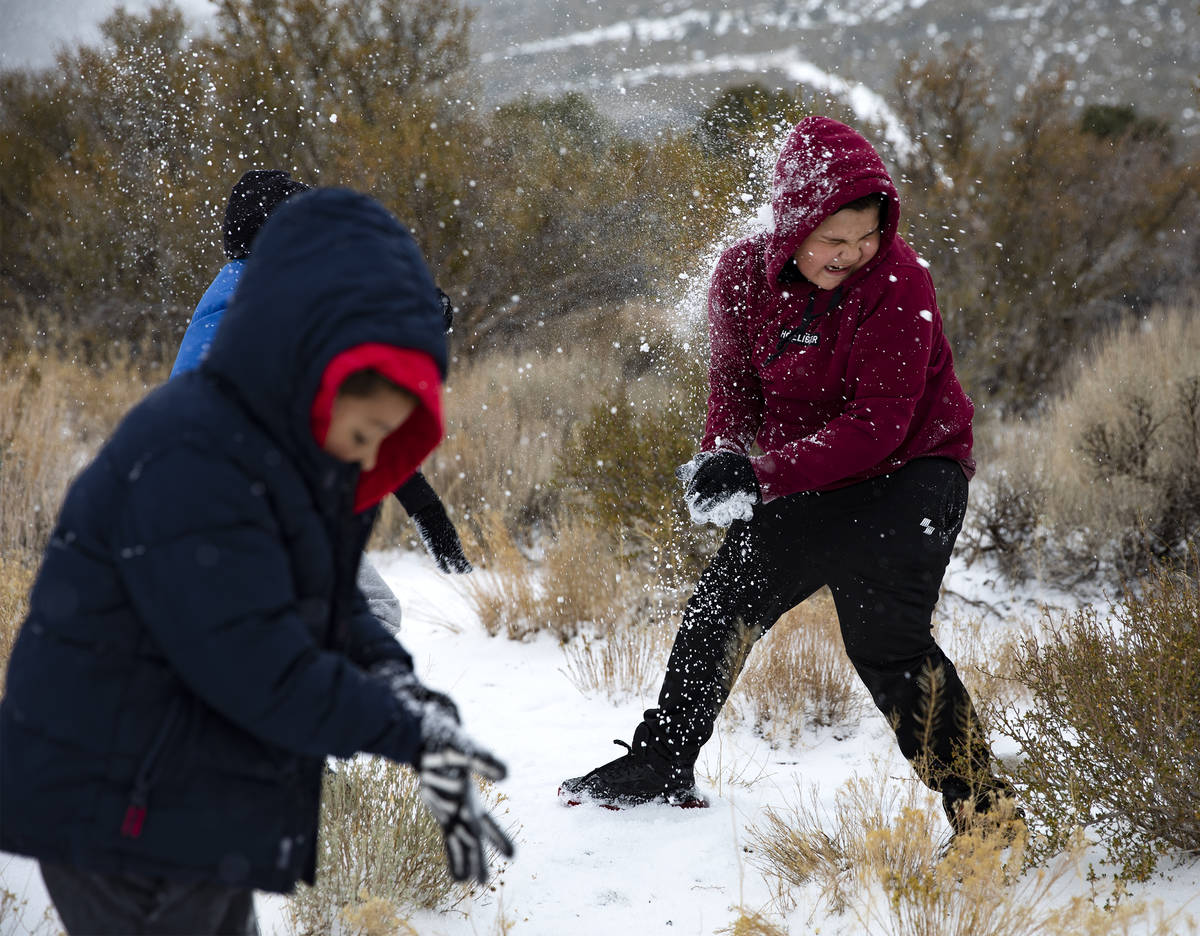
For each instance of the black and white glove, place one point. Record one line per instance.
(418, 698)
(441, 539)
(719, 487)
(447, 764)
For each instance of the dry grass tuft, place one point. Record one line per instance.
(622, 620)
(380, 855)
(585, 586)
(54, 415)
(876, 856)
(799, 675)
(752, 923)
(626, 662)
(503, 590)
(15, 581)
(375, 916)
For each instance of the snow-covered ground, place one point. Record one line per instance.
(585, 870)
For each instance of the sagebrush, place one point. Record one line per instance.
(1107, 481)
(1111, 736)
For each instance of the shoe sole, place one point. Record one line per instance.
(696, 802)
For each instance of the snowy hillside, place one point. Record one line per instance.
(647, 60)
(652, 62)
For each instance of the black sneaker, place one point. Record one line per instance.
(632, 780)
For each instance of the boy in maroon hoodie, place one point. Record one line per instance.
(828, 354)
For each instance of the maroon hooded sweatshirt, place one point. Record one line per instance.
(835, 386)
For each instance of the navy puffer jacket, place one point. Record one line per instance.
(196, 645)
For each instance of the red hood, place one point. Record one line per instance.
(401, 453)
(823, 165)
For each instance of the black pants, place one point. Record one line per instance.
(91, 904)
(882, 547)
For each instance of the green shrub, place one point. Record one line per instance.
(1111, 738)
(618, 469)
(1029, 262)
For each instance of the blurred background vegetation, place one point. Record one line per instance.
(578, 253)
(562, 235)
(118, 161)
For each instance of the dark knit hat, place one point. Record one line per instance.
(256, 195)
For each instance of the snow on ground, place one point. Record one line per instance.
(586, 870)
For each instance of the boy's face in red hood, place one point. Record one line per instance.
(839, 246)
(359, 424)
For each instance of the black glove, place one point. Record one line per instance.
(441, 539)
(447, 307)
(446, 763)
(719, 477)
(412, 693)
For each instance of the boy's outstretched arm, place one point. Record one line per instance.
(437, 533)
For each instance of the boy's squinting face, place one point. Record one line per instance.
(841, 245)
(358, 425)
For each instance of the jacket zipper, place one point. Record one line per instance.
(148, 772)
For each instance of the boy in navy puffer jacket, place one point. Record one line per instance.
(196, 646)
(255, 196)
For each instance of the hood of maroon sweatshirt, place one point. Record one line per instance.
(823, 166)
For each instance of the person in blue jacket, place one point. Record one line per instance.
(255, 195)
(196, 646)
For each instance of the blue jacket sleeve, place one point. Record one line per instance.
(206, 318)
(209, 577)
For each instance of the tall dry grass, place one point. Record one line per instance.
(1108, 480)
(16, 578)
(54, 414)
(503, 591)
(878, 856)
(799, 676)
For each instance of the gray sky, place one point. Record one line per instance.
(33, 30)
